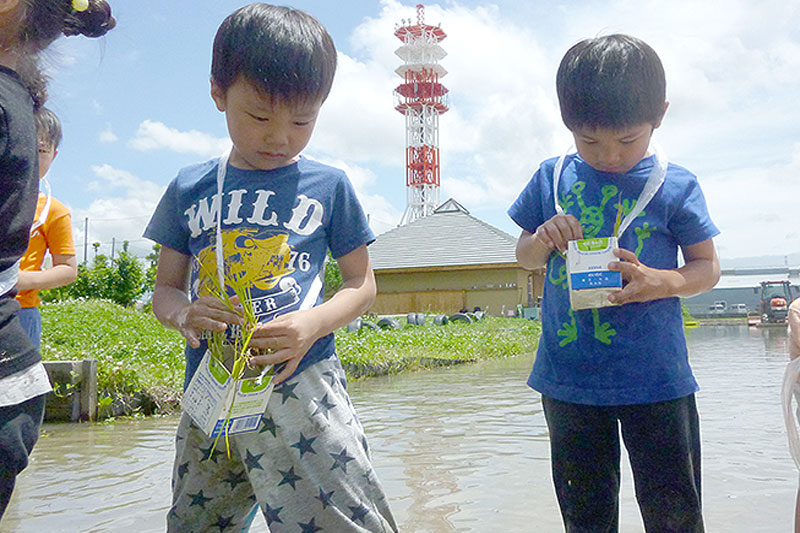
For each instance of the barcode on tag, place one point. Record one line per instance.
(247, 423)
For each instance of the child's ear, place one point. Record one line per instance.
(217, 94)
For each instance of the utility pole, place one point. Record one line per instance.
(85, 239)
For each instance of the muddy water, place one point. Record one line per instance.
(462, 449)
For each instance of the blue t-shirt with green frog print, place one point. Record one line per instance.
(619, 355)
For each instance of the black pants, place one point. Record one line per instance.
(663, 443)
(19, 430)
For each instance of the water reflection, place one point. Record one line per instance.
(460, 449)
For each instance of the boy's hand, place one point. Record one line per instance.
(205, 313)
(288, 337)
(643, 283)
(558, 230)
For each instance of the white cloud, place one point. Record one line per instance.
(121, 207)
(756, 209)
(112, 178)
(108, 135)
(358, 121)
(153, 135)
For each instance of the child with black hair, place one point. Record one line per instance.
(274, 215)
(51, 233)
(624, 365)
(26, 27)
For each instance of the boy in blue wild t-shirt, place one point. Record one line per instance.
(275, 215)
(626, 365)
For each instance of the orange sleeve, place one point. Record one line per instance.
(58, 230)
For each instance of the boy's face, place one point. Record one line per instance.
(615, 151)
(266, 133)
(47, 152)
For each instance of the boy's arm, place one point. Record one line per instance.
(171, 303)
(699, 274)
(63, 272)
(532, 253)
(291, 335)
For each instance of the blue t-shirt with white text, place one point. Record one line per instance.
(277, 227)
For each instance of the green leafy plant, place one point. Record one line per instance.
(135, 354)
(104, 405)
(65, 390)
(235, 352)
(121, 280)
(419, 346)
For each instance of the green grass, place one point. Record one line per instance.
(490, 338)
(137, 355)
(134, 352)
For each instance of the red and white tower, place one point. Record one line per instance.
(421, 98)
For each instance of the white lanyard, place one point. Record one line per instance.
(652, 185)
(221, 169)
(46, 209)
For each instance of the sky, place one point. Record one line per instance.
(135, 107)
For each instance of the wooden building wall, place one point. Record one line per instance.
(493, 288)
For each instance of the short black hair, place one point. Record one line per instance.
(286, 53)
(613, 82)
(48, 126)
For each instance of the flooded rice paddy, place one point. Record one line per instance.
(462, 449)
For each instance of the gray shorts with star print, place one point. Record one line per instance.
(307, 468)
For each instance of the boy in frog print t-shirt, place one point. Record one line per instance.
(623, 366)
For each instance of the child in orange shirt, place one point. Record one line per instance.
(51, 231)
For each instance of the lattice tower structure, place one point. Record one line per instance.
(421, 98)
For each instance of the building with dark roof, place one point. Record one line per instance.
(449, 261)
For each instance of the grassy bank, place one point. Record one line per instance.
(140, 363)
(367, 352)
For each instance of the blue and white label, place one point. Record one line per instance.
(596, 280)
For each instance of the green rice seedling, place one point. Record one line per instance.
(618, 220)
(233, 353)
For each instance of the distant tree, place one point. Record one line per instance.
(128, 278)
(333, 276)
(150, 273)
(121, 280)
